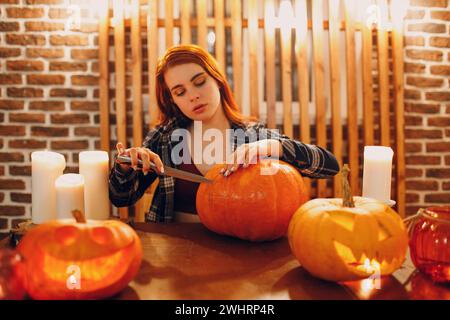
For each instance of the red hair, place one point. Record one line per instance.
(183, 54)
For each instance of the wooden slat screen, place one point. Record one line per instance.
(303, 72)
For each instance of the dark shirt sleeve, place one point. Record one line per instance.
(310, 160)
(126, 188)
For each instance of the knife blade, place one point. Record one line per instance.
(169, 171)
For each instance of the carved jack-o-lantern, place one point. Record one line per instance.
(82, 260)
(344, 240)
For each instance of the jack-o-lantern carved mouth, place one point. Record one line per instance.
(92, 273)
(364, 264)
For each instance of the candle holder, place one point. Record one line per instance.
(390, 203)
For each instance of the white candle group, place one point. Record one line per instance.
(46, 167)
(377, 173)
(55, 196)
(69, 195)
(94, 166)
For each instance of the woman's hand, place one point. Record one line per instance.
(247, 154)
(144, 154)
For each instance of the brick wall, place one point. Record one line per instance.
(48, 81)
(49, 96)
(427, 83)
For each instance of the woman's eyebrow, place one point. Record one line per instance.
(192, 79)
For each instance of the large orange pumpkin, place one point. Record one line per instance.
(255, 203)
(79, 260)
(343, 239)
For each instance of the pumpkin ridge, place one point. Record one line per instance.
(275, 210)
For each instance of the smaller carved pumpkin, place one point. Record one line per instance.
(79, 260)
(347, 239)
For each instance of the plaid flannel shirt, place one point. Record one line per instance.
(125, 189)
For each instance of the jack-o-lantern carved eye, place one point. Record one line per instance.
(344, 220)
(67, 235)
(383, 233)
(101, 235)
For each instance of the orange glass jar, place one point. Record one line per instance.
(11, 270)
(430, 242)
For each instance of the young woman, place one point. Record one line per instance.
(191, 90)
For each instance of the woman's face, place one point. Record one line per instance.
(193, 90)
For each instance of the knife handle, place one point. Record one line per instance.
(127, 160)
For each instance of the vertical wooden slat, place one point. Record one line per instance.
(152, 55)
(302, 69)
(185, 22)
(103, 57)
(168, 22)
(352, 106)
(335, 74)
(397, 49)
(220, 33)
(383, 73)
(319, 75)
(119, 56)
(303, 73)
(202, 15)
(367, 85)
(136, 62)
(286, 71)
(253, 56)
(269, 47)
(236, 39)
(152, 52)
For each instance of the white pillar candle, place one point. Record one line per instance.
(377, 173)
(46, 167)
(94, 166)
(69, 195)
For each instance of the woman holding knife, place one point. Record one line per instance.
(192, 90)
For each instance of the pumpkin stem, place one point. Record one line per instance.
(79, 216)
(348, 197)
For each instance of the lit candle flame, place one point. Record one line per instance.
(374, 280)
(72, 279)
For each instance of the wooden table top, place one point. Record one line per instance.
(187, 261)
